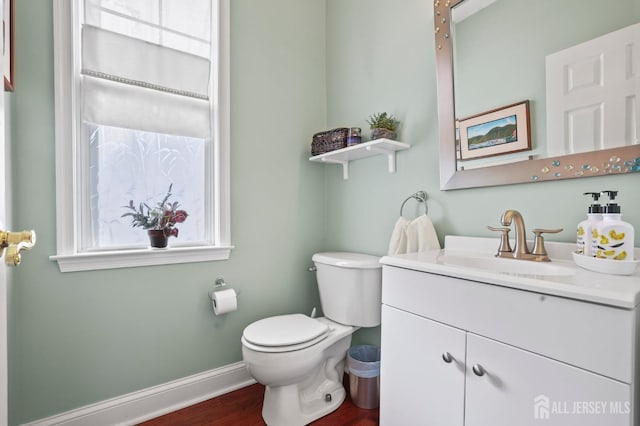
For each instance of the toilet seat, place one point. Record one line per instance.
(284, 333)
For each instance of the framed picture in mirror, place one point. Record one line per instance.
(500, 131)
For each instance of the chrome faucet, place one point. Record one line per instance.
(521, 249)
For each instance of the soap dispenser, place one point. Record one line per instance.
(585, 228)
(612, 237)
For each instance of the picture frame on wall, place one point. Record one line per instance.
(500, 131)
(7, 50)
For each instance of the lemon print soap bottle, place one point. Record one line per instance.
(585, 228)
(612, 237)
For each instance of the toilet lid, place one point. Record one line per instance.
(284, 330)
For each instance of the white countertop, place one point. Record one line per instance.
(614, 290)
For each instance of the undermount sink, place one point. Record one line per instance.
(505, 266)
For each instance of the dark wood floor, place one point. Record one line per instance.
(244, 406)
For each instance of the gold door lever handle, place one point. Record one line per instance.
(15, 242)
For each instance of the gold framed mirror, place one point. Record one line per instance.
(602, 162)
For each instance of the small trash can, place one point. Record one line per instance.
(363, 363)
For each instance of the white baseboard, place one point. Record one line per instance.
(149, 403)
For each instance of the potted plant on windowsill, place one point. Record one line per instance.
(159, 221)
(383, 125)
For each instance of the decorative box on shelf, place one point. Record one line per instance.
(343, 156)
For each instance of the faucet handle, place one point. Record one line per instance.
(547, 231)
(504, 247)
(538, 244)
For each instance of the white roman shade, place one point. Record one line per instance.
(135, 84)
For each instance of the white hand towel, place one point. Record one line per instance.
(421, 235)
(398, 242)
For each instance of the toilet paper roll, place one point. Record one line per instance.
(224, 301)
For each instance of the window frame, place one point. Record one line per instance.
(70, 168)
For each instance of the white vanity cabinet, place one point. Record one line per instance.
(420, 387)
(460, 352)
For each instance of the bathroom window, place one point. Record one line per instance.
(141, 103)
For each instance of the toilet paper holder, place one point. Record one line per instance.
(218, 284)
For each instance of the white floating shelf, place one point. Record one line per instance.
(343, 156)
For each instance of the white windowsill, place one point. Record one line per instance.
(139, 257)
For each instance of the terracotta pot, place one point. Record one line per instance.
(157, 238)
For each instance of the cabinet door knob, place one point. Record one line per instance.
(447, 357)
(478, 370)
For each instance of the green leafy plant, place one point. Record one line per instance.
(164, 216)
(382, 120)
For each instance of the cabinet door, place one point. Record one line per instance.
(522, 388)
(417, 385)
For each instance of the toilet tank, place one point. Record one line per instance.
(350, 286)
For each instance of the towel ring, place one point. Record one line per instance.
(421, 197)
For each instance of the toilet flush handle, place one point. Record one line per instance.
(312, 269)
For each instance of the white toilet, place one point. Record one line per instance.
(300, 359)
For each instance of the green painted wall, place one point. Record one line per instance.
(79, 338)
(381, 58)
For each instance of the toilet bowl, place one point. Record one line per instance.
(299, 359)
(305, 383)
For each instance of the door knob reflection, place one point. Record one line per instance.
(14, 243)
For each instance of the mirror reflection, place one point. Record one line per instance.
(500, 51)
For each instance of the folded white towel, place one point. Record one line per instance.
(398, 242)
(421, 235)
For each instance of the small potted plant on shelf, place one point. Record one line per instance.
(159, 221)
(383, 125)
